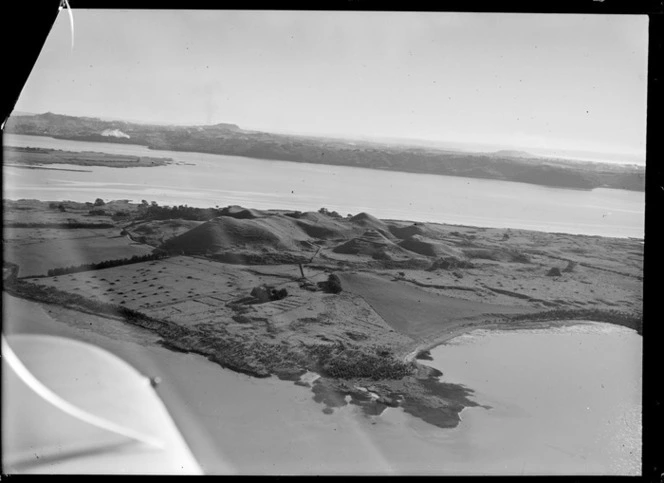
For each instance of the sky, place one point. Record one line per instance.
(550, 81)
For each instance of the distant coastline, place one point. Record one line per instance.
(22, 166)
(229, 139)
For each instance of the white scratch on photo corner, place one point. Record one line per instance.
(65, 4)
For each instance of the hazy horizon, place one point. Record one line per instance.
(542, 82)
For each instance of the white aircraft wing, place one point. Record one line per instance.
(71, 407)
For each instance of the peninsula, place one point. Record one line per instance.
(345, 305)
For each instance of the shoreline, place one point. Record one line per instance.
(567, 175)
(28, 166)
(493, 326)
(412, 392)
(208, 440)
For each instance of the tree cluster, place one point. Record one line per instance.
(612, 316)
(54, 272)
(183, 212)
(333, 214)
(332, 284)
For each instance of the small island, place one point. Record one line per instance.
(347, 305)
(38, 158)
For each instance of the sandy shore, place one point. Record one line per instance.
(456, 332)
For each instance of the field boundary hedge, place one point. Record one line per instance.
(630, 320)
(86, 267)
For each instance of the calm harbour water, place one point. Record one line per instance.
(564, 400)
(223, 180)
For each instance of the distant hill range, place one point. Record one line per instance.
(509, 153)
(230, 139)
